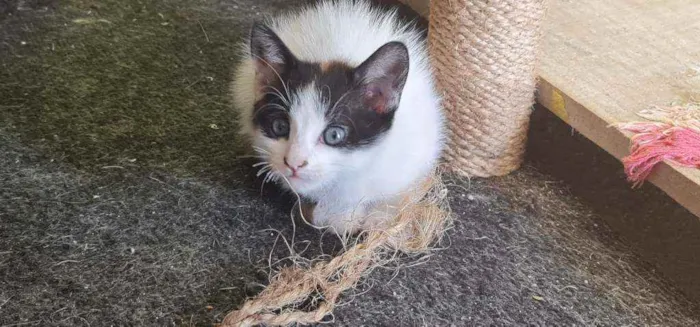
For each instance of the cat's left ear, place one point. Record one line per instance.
(382, 77)
(271, 56)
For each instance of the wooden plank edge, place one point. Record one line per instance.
(671, 180)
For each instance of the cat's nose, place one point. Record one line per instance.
(295, 166)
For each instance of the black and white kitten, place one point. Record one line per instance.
(338, 100)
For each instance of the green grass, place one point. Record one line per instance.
(123, 82)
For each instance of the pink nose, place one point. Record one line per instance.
(295, 167)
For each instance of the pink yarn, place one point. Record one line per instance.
(656, 142)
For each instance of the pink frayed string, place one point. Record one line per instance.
(656, 142)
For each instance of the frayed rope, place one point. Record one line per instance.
(420, 221)
(672, 134)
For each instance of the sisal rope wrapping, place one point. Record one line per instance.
(484, 55)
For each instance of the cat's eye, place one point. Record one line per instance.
(334, 135)
(280, 127)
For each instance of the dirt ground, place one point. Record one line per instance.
(124, 200)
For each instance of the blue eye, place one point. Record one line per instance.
(334, 135)
(280, 127)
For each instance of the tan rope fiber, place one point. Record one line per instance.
(420, 221)
(484, 54)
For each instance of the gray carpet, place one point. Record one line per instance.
(124, 200)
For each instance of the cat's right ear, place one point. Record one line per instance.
(270, 55)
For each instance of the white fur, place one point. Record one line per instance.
(348, 186)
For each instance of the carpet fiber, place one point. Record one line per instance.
(125, 200)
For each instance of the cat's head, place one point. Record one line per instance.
(315, 120)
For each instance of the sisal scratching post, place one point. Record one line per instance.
(484, 54)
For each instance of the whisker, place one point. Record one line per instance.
(286, 89)
(335, 106)
(275, 105)
(260, 150)
(276, 93)
(260, 164)
(263, 170)
(248, 156)
(351, 121)
(269, 177)
(327, 100)
(262, 186)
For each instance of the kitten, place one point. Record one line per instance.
(339, 102)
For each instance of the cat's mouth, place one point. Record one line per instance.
(294, 177)
(296, 182)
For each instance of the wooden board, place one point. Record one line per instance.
(603, 61)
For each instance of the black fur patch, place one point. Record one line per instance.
(274, 104)
(348, 107)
